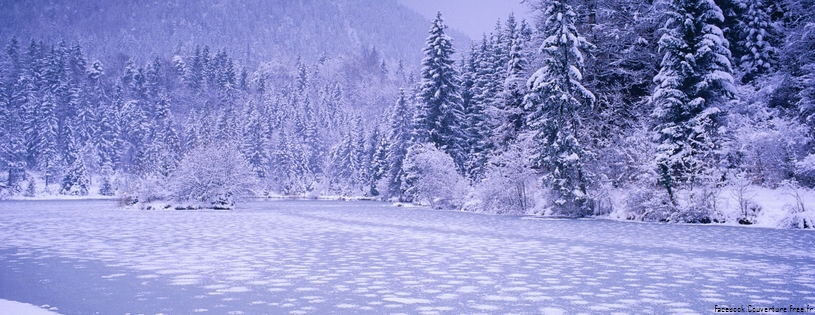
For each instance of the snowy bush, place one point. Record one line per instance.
(430, 177)
(743, 193)
(213, 176)
(508, 185)
(799, 214)
(630, 166)
(765, 145)
(645, 200)
(151, 188)
(649, 204)
(697, 205)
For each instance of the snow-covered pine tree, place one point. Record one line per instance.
(76, 180)
(374, 160)
(512, 117)
(693, 83)
(43, 141)
(106, 185)
(399, 133)
(468, 67)
(95, 99)
(759, 38)
(499, 47)
(207, 69)
(483, 93)
(228, 129)
(108, 146)
(154, 79)
(799, 60)
(136, 132)
(440, 113)
(165, 145)
(192, 131)
(622, 67)
(358, 156)
(555, 99)
(193, 72)
(12, 135)
(256, 135)
(283, 166)
(349, 161)
(311, 141)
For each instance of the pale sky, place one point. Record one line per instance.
(471, 17)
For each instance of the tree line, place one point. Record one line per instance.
(667, 100)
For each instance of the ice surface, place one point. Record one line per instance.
(313, 257)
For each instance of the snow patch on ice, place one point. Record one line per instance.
(406, 300)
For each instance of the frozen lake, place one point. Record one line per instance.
(318, 257)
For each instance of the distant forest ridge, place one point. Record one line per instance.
(252, 31)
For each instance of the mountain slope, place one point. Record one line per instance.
(251, 30)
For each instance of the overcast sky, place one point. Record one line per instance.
(472, 17)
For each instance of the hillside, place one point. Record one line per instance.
(253, 31)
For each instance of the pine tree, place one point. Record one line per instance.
(12, 117)
(693, 82)
(75, 181)
(499, 54)
(255, 148)
(760, 35)
(372, 161)
(192, 131)
(622, 67)
(358, 156)
(283, 163)
(398, 140)
(556, 97)
(45, 140)
(484, 92)
(469, 68)
(438, 119)
(108, 141)
(348, 172)
(307, 129)
(377, 150)
(193, 73)
(164, 146)
(512, 116)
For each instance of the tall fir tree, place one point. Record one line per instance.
(511, 115)
(693, 83)
(12, 117)
(440, 114)
(555, 99)
(484, 91)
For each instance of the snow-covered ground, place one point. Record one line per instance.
(16, 308)
(775, 208)
(323, 257)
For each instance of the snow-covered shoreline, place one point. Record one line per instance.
(775, 205)
(19, 308)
